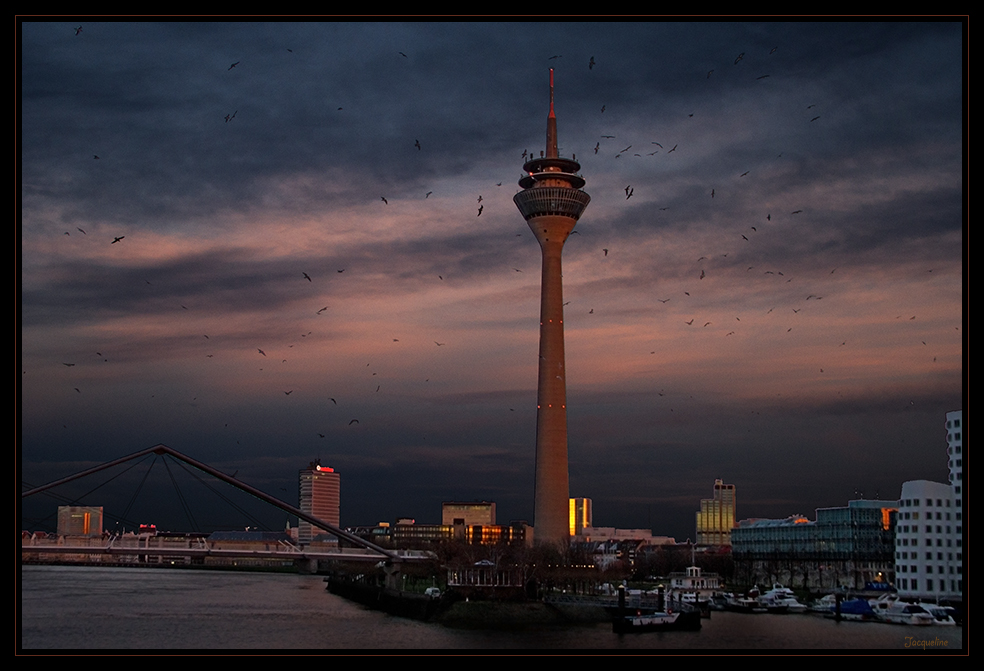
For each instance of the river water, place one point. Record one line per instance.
(140, 609)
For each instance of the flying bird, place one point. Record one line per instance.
(78, 30)
(439, 344)
(480, 208)
(306, 276)
(740, 56)
(322, 309)
(354, 421)
(591, 63)
(384, 200)
(233, 65)
(417, 144)
(672, 150)
(80, 230)
(261, 351)
(288, 393)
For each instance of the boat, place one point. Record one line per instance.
(890, 608)
(942, 615)
(781, 599)
(656, 621)
(744, 604)
(855, 610)
(825, 604)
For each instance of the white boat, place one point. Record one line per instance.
(781, 599)
(941, 614)
(743, 604)
(890, 608)
(825, 604)
(656, 621)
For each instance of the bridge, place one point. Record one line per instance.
(192, 549)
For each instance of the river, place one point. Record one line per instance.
(142, 609)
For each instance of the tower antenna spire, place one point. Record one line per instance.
(551, 125)
(551, 92)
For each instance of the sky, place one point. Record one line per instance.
(262, 243)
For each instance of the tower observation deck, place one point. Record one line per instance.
(551, 202)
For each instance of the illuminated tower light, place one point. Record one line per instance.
(551, 202)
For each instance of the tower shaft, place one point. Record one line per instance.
(551, 203)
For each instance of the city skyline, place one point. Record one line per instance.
(261, 243)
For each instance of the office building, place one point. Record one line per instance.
(320, 497)
(468, 513)
(80, 521)
(929, 534)
(846, 546)
(580, 510)
(716, 518)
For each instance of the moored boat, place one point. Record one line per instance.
(891, 609)
(857, 610)
(656, 621)
(941, 614)
(781, 599)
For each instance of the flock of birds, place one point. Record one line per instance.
(702, 267)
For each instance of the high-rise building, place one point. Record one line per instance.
(80, 520)
(929, 531)
(468, 513)
(580, 510)
(551, 202)
(716, 518)
(320, 497)
(954, 449)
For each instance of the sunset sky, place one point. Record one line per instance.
(781, 302)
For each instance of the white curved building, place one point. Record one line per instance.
(929, 529)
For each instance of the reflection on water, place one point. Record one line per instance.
(153, 609)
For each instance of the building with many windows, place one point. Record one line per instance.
(716, 518)
(929, 534)
(468, 513)
(845, 546)
(320, 497)
(80, 520)
(580, 510)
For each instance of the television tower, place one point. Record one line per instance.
(551, 202)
